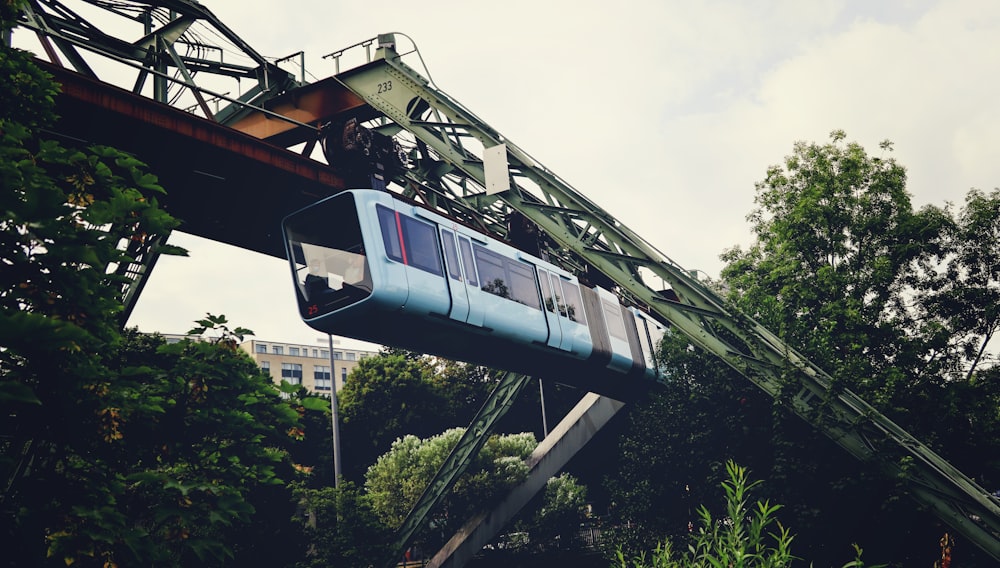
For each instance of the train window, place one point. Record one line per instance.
(470, 267)
(644, 344)
(507, 278)
(543, 281)
(451, 254)
(326, 253)
(421, 245)
(573, 302)
(390, 233)
(522, 280)
(491, 272)
(613, 317)
(557, 285)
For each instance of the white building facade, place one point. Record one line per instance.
(308, 365)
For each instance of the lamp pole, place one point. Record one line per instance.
(334, 418)
(545, 423)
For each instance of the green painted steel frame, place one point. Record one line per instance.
(153, 55)
(449, 175)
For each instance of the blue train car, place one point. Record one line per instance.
(371, 266)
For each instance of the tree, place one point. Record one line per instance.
(844, 270)
(64, 212)
(400, 392)
(838, 248)
(384, 398)
(398, 478)
(672, 452)
(555, 524)
(117, 448)
(341, 527)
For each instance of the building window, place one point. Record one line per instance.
(292, 372)
(265, 366)
(261, 348)
(338, 355)
(324, 353)
(352, 356)
(293, 351)
(277, 349)
(343, 375)
(315, 353)
(322, 377)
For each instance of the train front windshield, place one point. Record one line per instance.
(326, 250)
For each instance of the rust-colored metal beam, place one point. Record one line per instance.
(223, 184)
(314, 104)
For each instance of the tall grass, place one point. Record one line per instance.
(748, 536)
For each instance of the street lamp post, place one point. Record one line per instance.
(334, 418)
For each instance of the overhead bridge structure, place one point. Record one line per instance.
(385, 124)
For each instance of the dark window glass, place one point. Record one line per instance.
(647, 349)
(573, 302)
(420, 240)
(326, 253)
(292, 372)
(491, 272)
(613, 316)
(557, 285)
(507, 278)
(522, 280)
(390, 234)
(543, 281)
(451, 254)
(470, 267)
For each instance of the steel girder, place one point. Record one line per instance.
(448, 142)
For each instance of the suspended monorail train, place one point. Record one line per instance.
(371, 266)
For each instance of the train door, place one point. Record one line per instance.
(551, 315)
(475, 316)
(456, 283)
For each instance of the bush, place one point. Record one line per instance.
(747, 537)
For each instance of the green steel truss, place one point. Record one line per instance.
(447, 144)
(172, 43)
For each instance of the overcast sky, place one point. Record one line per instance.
(665, 113)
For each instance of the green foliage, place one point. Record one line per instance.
(191, 437)
(676, 442)
(341, 527)
(397, 479)
(118, 449)
(557, 521)
(221, 331)
(398, 393)
(893, 302)
(838, 248)
(748, 535)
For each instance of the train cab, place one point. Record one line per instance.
(325, 247)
